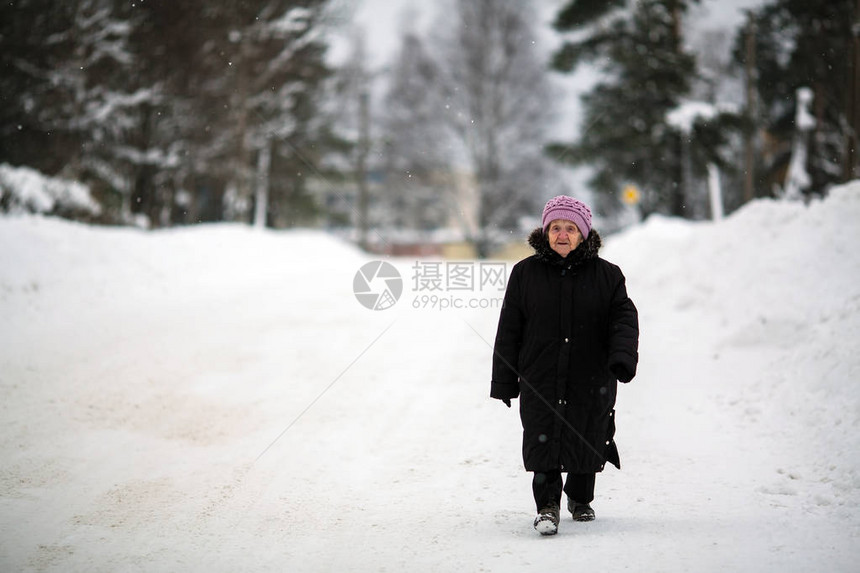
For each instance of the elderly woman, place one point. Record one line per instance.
(567, 333)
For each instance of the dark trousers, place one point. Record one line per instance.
(547, 488)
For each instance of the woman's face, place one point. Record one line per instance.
(564, 236)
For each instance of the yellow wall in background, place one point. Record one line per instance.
(463, 251)
(513, 251)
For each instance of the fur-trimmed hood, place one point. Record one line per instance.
(586, 251)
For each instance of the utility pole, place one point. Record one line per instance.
(243, 153)
(683, 192)
(363, 147)
(750, 79)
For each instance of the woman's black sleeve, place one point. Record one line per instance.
(623, 335)
(505, 383)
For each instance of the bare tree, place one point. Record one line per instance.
(497, 105)
(477, 101)
(415, 143)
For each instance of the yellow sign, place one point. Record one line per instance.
(630, 195)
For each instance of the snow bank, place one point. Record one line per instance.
(25, 190)
(215, 399)
(773, 294)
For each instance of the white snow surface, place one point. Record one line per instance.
(143, 374)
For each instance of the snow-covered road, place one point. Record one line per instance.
(215, 399)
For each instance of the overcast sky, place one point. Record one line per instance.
(384, 20)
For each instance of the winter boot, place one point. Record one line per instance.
(546, 523)
(580, 511)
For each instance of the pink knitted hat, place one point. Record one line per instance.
(564, 207)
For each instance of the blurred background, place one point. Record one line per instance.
(416, 128)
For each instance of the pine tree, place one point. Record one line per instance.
(241, 79)
(646, 73)
(26, 60)
(167, 103)
(69, 103)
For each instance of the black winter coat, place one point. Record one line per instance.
(567, 331)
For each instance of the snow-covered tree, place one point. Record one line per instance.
(167, 103)
(70, 105)
(646, 72)
(702, 127)
(272, 73)
(807, 44)
(241, 79)
(797, 180)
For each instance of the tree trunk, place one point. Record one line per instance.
(243, 157)
(797, 179)
(261, 196)
(715, 192)
(852, 111)
(361, 164)
(143, 199)
(751, 120)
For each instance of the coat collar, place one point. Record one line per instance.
(586, 251)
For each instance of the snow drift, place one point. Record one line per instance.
(25, 190)
(215, 399)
